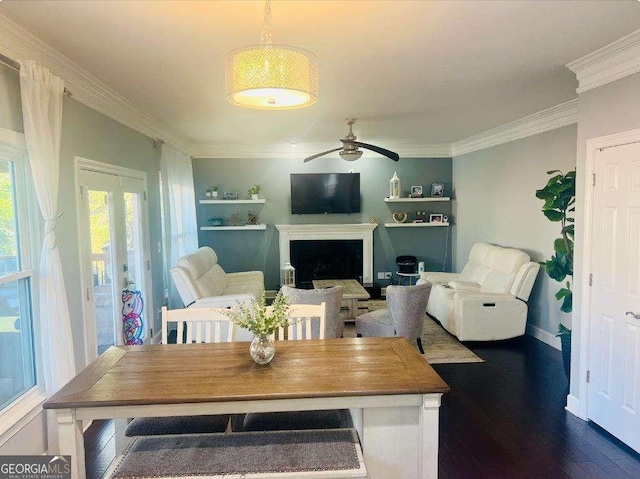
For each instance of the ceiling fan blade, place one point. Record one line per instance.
(383, 151)
(313, 157)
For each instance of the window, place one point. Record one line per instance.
(17, 358)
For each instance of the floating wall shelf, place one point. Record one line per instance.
(416, 200)
(413, 225)
(231, 202)
(261, 226)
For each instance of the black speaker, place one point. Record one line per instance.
(406, 264)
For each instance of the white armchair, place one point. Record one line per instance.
(202, 283)
(488, 299)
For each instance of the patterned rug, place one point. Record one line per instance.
(440, 347)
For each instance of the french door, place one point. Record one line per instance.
(614, 349)
(114, 247)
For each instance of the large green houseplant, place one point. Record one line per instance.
(559, 196)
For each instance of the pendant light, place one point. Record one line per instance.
(269, 76)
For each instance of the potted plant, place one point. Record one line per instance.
(263, 321)
(254, 191)
(214, 192)
(559, 197)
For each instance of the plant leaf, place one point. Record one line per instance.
(553, 215)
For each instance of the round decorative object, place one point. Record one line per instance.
(262, 350)
(399, 217)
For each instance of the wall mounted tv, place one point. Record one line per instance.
(322, 193)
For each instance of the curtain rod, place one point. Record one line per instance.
(16, 66)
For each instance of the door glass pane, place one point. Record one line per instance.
(9, 258)
(17, 368)
(132, 298)
(101, 266)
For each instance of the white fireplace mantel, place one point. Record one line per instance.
(359, 231)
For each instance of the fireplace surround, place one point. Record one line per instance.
(318, 232)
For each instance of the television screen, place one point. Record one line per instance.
(319, 193)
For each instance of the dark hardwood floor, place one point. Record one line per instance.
(504, 418)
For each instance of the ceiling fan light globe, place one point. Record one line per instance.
(350, 155)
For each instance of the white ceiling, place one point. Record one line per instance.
(412, 72)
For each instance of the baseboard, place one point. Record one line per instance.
(573, 406)
(544, 336)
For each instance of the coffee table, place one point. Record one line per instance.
(352, 294)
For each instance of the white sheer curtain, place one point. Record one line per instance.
(180, 215)
(42, 112)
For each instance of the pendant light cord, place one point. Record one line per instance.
(266, 39)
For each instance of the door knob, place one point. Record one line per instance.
(631, 313)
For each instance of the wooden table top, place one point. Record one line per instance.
(351, 289)
(196, 373)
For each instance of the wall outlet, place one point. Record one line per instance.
(380, 275)
(387, 275)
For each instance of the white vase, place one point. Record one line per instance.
(254, 197)
(215, 194)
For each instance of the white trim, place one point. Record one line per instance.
(99, 167)
(17, 43)
(544, 336)
(613, 62)
(286, 151)
(581, 314)
(20, 413)
(552, 118)
(13, 138)
(358, 231)
(573, 405)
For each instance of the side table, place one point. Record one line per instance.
(409, 277)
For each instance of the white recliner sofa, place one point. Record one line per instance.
(488, 299)
(201, 282)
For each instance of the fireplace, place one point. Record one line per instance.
(326, 259)
(361, 233)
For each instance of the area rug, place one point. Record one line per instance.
(440, 347)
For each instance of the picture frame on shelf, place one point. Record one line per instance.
(436, 218)
(416, 192)
(437, 190)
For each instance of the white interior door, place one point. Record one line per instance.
(114, 259)
(614, 349)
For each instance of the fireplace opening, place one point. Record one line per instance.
(326, 259)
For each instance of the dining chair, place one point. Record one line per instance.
(193, 325)
(301, 322)
(301, 327)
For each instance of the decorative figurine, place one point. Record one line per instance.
(234, 219)
(252, 218)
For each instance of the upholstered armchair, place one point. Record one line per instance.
(488, 299)
(334, 325)
(404, 316)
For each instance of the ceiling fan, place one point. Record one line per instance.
(350, 149)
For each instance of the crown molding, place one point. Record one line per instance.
(17, 43)
(286, 151)
(613, 62)
(552, 118)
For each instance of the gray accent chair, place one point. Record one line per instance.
(334, 325)
(404, 316)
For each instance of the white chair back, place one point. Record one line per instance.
(301, 317)
(203, 325)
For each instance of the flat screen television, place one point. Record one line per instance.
(322, 193)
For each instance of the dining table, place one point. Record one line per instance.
(393, 394)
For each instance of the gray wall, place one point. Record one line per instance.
(609, 109)
(495, 203)
(90, 135)
(249, 250)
